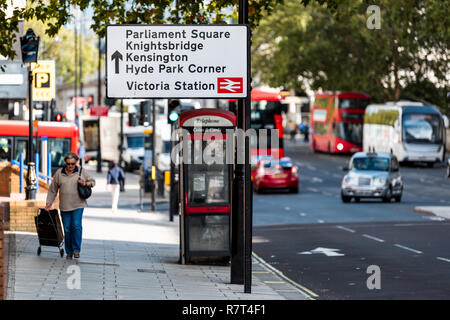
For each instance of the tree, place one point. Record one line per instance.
(57, 13)
(61, 48)
(314, 47)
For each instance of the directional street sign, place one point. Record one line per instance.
(176, 61)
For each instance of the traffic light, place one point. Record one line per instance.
(59, 117)
(173, 111)
(90, 100)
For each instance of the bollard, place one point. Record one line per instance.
(36, 161)
(21, 172)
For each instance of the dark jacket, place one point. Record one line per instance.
(114, 174)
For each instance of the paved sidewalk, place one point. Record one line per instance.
(129, 255)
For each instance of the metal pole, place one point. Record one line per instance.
(76, 70)
(238, 211)
(30, 193)
(80, 56)
(121, 134)
(99, 88)
(153, 155)
(172, 178)
(99, 149)
(248, 213)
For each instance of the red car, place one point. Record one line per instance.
(271, 174)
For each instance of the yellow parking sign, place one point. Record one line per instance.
(44, 86)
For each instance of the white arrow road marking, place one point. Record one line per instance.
(326, 251)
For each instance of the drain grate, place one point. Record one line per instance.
(151, 271)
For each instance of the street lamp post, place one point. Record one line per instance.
(30, 45)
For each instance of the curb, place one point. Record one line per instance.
(305, 291)
(429, 212)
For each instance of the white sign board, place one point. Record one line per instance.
(176, 61)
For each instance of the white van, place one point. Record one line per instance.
(410, 130)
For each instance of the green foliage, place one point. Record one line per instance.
(57, 13)
(61, 48)
(300, 47)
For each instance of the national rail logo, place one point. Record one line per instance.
(230, 85)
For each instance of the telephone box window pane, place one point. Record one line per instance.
(207, 185)
(209, 233)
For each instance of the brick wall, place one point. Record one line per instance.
(10, 180)
(21, 214)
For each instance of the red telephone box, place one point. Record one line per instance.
(206, 170)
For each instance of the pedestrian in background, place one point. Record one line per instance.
(306, 132)
(66, 181)
(115, 174)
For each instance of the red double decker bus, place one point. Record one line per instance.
(337, 122)
(62, 138)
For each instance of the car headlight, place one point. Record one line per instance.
(349, 180)
(379, 181)
(397, 181)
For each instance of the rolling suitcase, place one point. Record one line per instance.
(49, 230)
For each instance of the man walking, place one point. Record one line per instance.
(115, 173)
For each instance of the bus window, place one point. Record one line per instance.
(58, 147)
(422, 128)
(353, 103)
(20, 146)
(5, 149)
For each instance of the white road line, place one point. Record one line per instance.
(302, 214)
(409, 249)
(320, 221)
(443, 259)
(316, 179)
(313, 189)
(372, 237)
(311, 168)
(337, 176)
(346, 229)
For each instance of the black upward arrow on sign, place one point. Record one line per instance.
(117, 56)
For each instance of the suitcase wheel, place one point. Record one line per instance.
(61, 252)
(39, 251)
